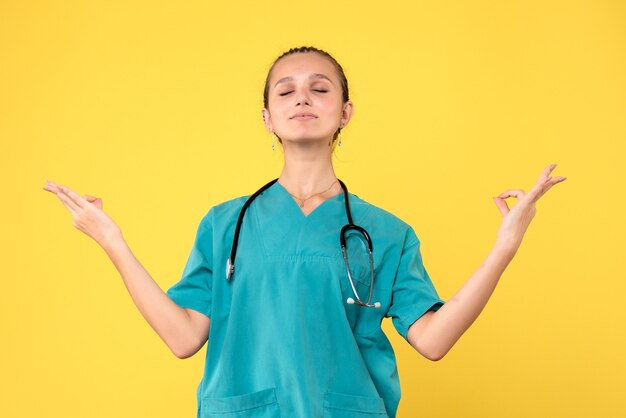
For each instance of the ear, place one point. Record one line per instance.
(346, 113)
(267, 120)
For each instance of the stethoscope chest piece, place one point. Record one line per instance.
(230, 268)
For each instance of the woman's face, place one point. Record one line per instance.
(305, 99)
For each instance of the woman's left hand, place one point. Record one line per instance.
(515, 221)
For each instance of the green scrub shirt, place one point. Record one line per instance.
(283, 342)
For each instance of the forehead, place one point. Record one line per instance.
(303, 65)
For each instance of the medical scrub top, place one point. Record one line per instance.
(283, 342)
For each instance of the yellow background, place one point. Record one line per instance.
(155, 107)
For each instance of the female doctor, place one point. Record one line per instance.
(290, 285)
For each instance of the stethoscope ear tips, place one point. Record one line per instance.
(377, 305)
(350, 301)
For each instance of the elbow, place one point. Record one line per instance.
(433, 353)
(436, 356)
(431, 348)
(183, 351)
(182, 354)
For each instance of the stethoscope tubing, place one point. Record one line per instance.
(230, 263)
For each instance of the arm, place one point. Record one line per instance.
(434, 334)
(183, 330)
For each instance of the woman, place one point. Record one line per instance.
(292, 317)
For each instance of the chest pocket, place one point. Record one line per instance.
(358, 261)
(363, 320)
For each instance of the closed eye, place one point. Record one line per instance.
(291, 91)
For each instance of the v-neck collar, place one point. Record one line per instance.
(289, 197)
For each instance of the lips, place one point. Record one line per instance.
(303, 116)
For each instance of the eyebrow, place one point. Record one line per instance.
(314, 75)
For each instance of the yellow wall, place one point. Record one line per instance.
(155, 107)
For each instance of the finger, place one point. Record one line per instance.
(544, 183)
(501, 204)
(75, 197)
(517, 193)
(90, 198)
(541, 190)
(544, 177)
(67, 203)
(546, 171)
(95, 201)
(51, 187)
(555, 180)
(52, 184)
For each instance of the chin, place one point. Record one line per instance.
(307, 138)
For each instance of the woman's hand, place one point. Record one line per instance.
(87, 213)
(515, 221)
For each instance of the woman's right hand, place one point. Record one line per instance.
(183, 330)
(87, 213)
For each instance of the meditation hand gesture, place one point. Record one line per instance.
(87, 213)
(515, 221)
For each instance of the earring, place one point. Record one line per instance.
(339, 140)
(273, 142)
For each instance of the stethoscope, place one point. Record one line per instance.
(350, 226)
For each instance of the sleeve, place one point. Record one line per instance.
(194, 289)
(413, 293)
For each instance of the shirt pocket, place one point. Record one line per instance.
(356, 266)
(261, 404)
(337, 405)
(357, 254)
(363, 320)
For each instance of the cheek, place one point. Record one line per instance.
(277, 113)
(331, 106)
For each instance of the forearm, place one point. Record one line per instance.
(171, 322)
(442, 329)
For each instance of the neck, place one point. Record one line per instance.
(307, 170)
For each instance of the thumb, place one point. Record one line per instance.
(92, 199)
(501, 204)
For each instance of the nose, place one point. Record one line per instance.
(303, 98)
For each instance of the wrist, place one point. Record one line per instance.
(499, 257)
(112, 240)
(506, 246)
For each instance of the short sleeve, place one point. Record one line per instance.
(413, 292)
(194, 289)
